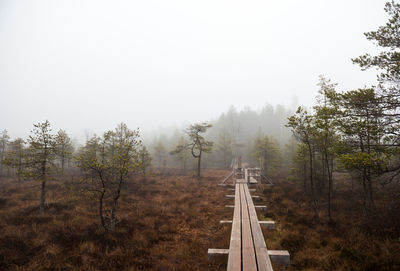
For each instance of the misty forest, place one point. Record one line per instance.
(299, 185)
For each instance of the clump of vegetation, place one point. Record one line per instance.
(107, 163)
(166, 223)
(355, 130)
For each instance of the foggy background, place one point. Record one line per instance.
(88, 65)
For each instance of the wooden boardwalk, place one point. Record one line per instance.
(247, 245)
(247, 250)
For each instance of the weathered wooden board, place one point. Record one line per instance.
(263, 260)
(248, 253)
(235, 247)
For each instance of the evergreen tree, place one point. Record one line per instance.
(63, 148)
(303, 127)
(145, 159)
(40, 157)
(15, 156)
(267, 151)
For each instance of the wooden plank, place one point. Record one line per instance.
(215, 253)
(248, 254)
(270, 225)
(235, 253)
(263, 260)
(282, 257)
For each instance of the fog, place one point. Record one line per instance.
(88, 65)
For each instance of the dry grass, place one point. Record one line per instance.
(168, 222)
(353, 242)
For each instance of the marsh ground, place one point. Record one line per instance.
(167, 222)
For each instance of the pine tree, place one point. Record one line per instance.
(40, 157)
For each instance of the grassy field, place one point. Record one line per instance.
(169, 222)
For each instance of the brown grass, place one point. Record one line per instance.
(353, 242)
(168, 223)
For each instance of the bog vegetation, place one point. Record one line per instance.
(119, 202)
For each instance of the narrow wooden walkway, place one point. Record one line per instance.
(247, 250)
(247, 245)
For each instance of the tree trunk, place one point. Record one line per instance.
(329, 172)
(370, 193)
(305, 177)
(312, 183)
(103, 223)
(62, 167)
(364, 193)
(113, 218)
(43, 196)
(198, 167)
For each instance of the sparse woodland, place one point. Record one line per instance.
(123, 202)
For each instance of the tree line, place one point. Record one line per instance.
(234, 133)
(354, 130)
(104, 164)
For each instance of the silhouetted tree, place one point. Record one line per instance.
(15, 156)
(63, 148)
(4, 139)
(198, 144)
(225, 148)
(160, 153)
(145, 159)
(181, 153)
(266, 150)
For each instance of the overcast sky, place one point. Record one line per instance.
(93, 64)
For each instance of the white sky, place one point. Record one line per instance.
(92, 64)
